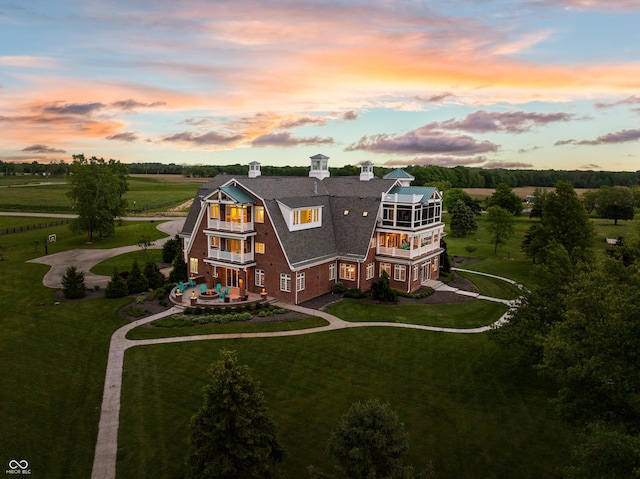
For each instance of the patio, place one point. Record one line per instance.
(195, 296)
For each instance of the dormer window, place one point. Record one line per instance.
(306, 216)
(301, 218)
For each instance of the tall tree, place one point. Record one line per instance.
(463, 222)
(505, 198)
(615, 203)
(369, 442)
(97, 194)
(232, 435)
(501, 226)
(564, 220)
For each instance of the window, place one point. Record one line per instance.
(260, 277)
(332, 271)
(347, 271)
(193, 265)
(303, 217)
(399, 273)
(215, 242)
(415, 272)
(214, 271)
(371, 270)
(373, 242)
(215, 211)
(385, 267)
(300, 281)
(260, 248)
(285, 282)
(435, 263)
(259, 214)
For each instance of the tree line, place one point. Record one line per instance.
(456, 177)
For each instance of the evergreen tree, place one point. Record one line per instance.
(117, 286)
(232, 435)
(136, 282)
(179, 271)
(462, 221)
(73, 285)
(445, 261)
(170, 249)
(154, 277)
(381, 290)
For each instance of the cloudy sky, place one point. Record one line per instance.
(492, 83)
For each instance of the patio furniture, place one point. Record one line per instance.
(192, 283)
(203, 287)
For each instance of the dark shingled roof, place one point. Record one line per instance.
(339, 235)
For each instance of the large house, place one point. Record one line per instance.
(293, 238)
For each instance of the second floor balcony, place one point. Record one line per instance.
(235, 225)
(240, 257)
(402, 245)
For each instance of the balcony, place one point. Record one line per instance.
(235, 226)
(408, 253)
(239, 258)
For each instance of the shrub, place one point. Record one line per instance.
(339, 288)
(354, 293)
(73, 286)
(381, 290)
(154, 277)
(170, 249)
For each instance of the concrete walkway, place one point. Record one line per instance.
(105, 459)
(85, 259)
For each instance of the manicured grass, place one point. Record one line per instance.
(153, 333)
(463, 406)
(123, 262)
(52, 364)
(469, 314)
(492, 287)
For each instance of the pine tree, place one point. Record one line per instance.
(117, 286)
(136, 282)
(154, 277)
(73, 285)
(232, 435)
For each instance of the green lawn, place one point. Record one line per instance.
(492, 287)
(144, 332)
(463, 406)
(53, 357)
(459, 315)
(123, 262)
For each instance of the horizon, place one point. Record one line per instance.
(525, 85)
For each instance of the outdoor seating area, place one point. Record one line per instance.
(199, 295)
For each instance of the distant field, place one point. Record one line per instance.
(522, 191)
(144, 191)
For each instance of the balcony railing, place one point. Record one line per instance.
(240, 258)
(407, 253)
(236, 226)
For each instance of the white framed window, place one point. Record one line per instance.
(372, 244)
(300, 281)
(399, 272)
(259, 214)
(347, 271)
(415, 272)
(260, 248)
(285, 282)
(260, 277)
(214, 271)
(435, 263)
(215, 211)
(193, 265)
(332, 271)
(385, 267)
(371, 270)
(215, 241)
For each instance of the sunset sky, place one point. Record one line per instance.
(516, 84)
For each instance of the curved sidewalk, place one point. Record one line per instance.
(85, 259)
(105, 458)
